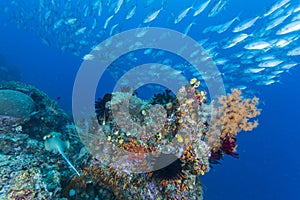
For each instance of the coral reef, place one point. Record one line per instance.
(109, 183)
(134, 148)
(27, 170)
(169, 140)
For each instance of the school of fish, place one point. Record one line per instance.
(247, 50)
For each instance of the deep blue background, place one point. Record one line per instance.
(268, 167)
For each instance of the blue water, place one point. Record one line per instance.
(269, 160)
(268, 167)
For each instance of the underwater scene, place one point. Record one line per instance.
(144, 99)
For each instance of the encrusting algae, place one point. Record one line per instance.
(193, 135)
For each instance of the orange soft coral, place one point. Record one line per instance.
(230, 117)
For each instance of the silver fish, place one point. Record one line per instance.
(276, 13)
(294, 52)
(107, 21)
(119, 4)
(188, 28)
(58, 23)
(264, 58)
(288, 65)
(71, 21)
(182, 14)
(268, 82)
(87, 11)
(276, 22)
(245, 24)
(254, 70)
(112, 30)
(257, 45)
(142, 32)
(99, 4)
(221, 61)
(297, 8)
(218, 7)
(131, 12)
(276, 6)
(296, 17)
(289, 28)
(224, 27)
(108, 2)
(242, 87)
(276, 72)
(270, 63)
(88, 57)
(235, 40)
(152, 16)
(201, 8)
(47, 15)
(220, 28)
(80, 31)
(148, 51)
(45, 41)
(94, 24)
